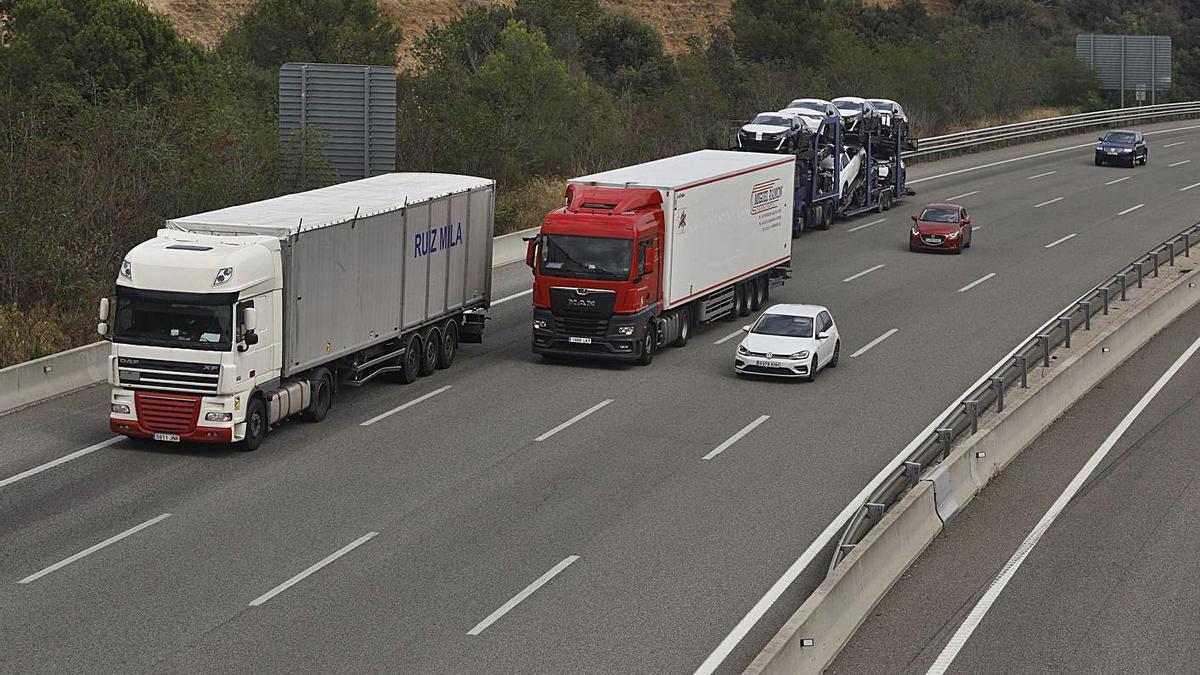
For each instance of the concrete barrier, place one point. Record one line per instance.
(829, 617)
(33, 381)
(834, 611)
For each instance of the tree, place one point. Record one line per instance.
(275, 32)
(793, 30)
(626, 55)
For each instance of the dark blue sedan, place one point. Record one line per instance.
(1122, 147)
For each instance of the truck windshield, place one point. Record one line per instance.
(182, 320)
(579, 257)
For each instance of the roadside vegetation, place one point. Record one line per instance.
(110, 122)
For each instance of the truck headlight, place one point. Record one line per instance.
(625, 330)
(218, 417)
(541, 324)
(120, 408)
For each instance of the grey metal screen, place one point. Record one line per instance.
(1126, 62)
(347, 113)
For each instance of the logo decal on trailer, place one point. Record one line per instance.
(681, 226)
(765, 196)
(436, 239)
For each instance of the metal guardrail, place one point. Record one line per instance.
(964, 421)
(965, 140)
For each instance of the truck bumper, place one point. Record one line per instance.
(599, 340)
(172, 416)
(134, 429)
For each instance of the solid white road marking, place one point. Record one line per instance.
(574, 419)
(514, 296)
(1186, 161)
(516, 599)
(1010, 568)
(61, 460)
(1041, 175)
(965, 194)
(975, 283)
(736, 437)
(862, 273)
(405, 406)
(92, 549)
(1171, 145)
(1131, 209)
(874, 342)
(1048, 203)
(308, 572)
(1056, 242)
(873, 222)
(729, 337)
(1114, 182)
(1185, 189)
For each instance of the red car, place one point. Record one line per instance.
(940, 227)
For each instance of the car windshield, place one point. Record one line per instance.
(1119, 137)
(785, 325)
(848, 105)
(936, 215)
(182, 320)
(772, 120)
(808, 105)
(576, 257)
(882, 105)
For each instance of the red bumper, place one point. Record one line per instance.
(946, 245)
(134, 429)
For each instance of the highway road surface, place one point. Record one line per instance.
(1111, 585)
(511, 515)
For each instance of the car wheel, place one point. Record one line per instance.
(958, 248)
(256, 424)
(449, 346)
(911, 247)
(1145, 159)
(647, 354)
(837, 350)
(812, 370)
(685, 327)
(1099, 162)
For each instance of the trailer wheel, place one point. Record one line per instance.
(766, 288)
(429, 355)
(449, 344)
(322, 400)
(741, 301)
(256, 424)
(756, 294)
(410, 363)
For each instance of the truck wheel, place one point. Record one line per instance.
(647, 354)
(756, 294)
(685, 327)
(410, 363)
(256, 424)
(826, 216)
(449, 344)
(429, 357)
(766, 288)
(321, 401)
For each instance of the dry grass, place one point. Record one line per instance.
(1026, 116)
(27, 336)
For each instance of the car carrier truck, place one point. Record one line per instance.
(637, 256)
(229, 322)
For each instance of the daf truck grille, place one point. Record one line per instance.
(191, 378)
(166, 413)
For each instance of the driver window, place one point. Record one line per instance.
(643, 247)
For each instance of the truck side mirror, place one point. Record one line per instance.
(249, 319)
(914, 217)
(102, 328)
(530, 252)
(651, 258)
(104, 307)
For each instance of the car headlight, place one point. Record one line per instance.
(799, 355)
(127, 269)
(120, 408)
(742, 349)
(219, 417)
(625, 330)
(916, 232)
(953, 235)
(541, 324)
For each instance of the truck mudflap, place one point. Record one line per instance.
(471, 330)
(594, 337)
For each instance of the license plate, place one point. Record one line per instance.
(770, 364)
(173, 438)
(580, 341)
(1111, 152)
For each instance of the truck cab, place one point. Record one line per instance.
(597, 272)
(196, 327)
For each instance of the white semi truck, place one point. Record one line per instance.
(229, 322)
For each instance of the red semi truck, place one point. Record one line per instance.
(637, 256)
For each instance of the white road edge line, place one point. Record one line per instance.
(574, 419)
(1186, 161)
(1036, 155)
(873, 222)
(519, 597)
(756, 612)
(1185, 189)
(405, 406)
(1171, 145)
(965, 194)
(92, 549)
(61, 460)
(874, 342)
(308, 572)
(978, 281)
(1056, 242)
(1114, 182)
(736, 437)
(976, 228)
(1041, 175)
(862, 273)
(1048, 203)
(729, 337)
(1010, 568)
(514, 296)
(1131, 209)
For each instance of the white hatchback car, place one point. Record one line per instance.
(789, 341)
